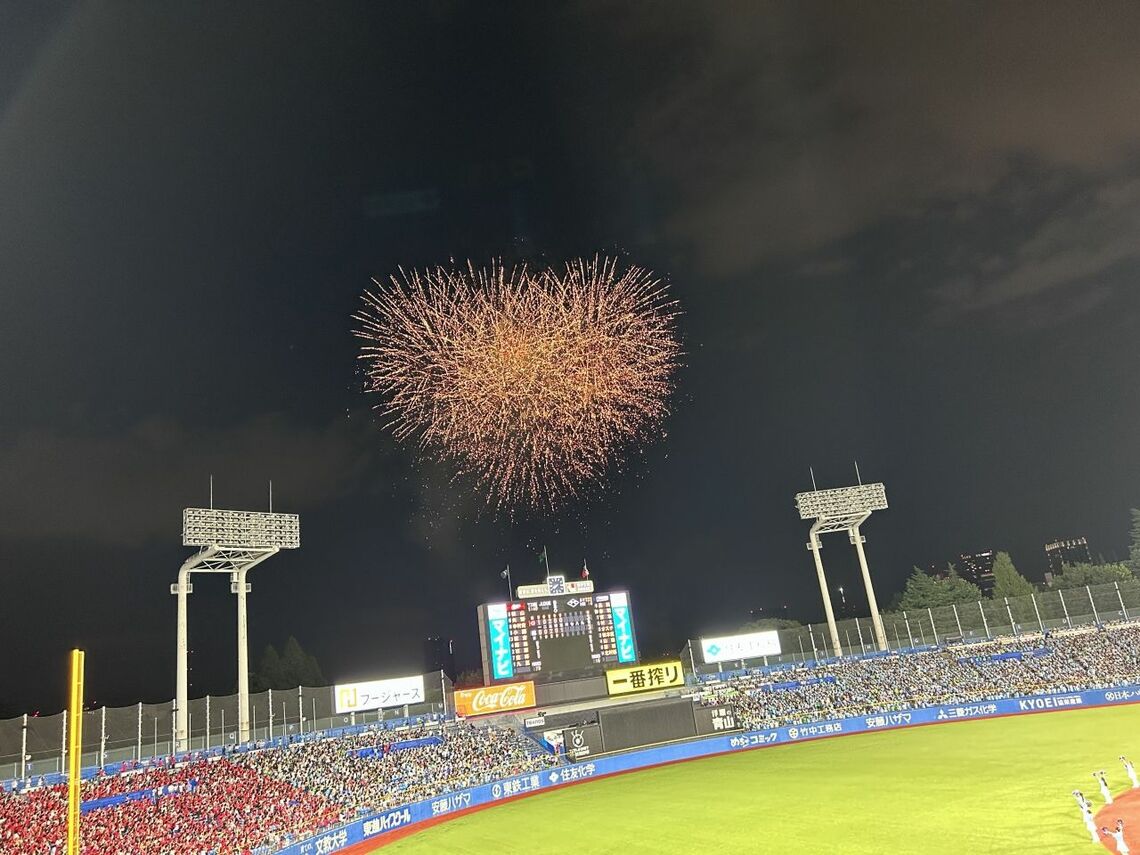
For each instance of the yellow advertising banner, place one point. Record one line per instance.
(645, 678)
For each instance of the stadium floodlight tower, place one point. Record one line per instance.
(844, 509)
(232, 542)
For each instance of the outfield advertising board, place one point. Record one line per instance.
(378, 694)
(749, 645)
(645, 678)
(487, 794)
(488, 700)
(582, 741)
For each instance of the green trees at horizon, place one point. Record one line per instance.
(291, 668)
(923, 591)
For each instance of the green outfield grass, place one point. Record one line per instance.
(1001, 785)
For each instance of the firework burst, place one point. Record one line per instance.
(534, 383)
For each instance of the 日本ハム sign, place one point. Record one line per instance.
(495, 699)
(645, 678)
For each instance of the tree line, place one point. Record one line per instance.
(290, 668)
(923, 591)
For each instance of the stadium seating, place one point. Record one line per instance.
(1064, 661)
(260, 800)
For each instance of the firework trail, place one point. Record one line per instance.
(533, 383)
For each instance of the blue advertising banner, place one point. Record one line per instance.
(152, 794)
(793, 684)
(1017, 655)
(487, 794)
(398, 746)
(502, 665)
(623, 633)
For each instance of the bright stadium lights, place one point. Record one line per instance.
(232, 542)
(844, 509)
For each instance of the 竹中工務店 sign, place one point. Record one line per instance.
(750, 645)
(645, 678)
(378, 694)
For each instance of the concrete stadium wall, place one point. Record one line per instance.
(375, 826)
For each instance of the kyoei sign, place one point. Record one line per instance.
(495, 699)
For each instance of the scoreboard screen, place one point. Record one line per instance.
(556, 638)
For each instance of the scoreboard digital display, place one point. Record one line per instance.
(556, 637)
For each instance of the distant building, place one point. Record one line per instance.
(978, 567)
(1062, 552)
(975, 567)
(439, 655)
(938, 571)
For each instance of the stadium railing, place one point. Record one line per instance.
(916, 630)
(116, 735)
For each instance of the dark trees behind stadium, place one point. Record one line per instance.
(291, 668)
(1007, 581)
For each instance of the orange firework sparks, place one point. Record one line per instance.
(533, 383)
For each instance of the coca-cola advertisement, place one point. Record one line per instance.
(490, 700)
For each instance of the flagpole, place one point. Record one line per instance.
(546, 559)
(510, 589)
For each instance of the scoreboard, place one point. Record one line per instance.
(556, 637)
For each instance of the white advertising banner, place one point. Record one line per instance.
(555, 586)
(378, 694)
(750, 645)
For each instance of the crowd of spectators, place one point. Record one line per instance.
(1068, 660)
(466, 756)
(264, 799)
(214, 806)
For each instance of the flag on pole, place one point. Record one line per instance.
(542, 558)
(585, 570)
(505, 573)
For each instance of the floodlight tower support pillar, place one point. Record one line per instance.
(844, 509)
(815, 546)
(214, 559)
(239, 586)
(182, 669)
(876, 617)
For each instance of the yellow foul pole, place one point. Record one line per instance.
(74, 751)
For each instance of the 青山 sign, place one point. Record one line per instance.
(495, 699)
(644, 678)
(751, 645)
(378, 694)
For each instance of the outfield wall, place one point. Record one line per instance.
(374, 827)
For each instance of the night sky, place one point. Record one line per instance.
(907, 234)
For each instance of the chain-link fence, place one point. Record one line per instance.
(113, 735)
(1003, 616)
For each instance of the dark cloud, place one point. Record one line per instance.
(1076, 245)
(899, 232)
(126, 489)
(780, 128)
